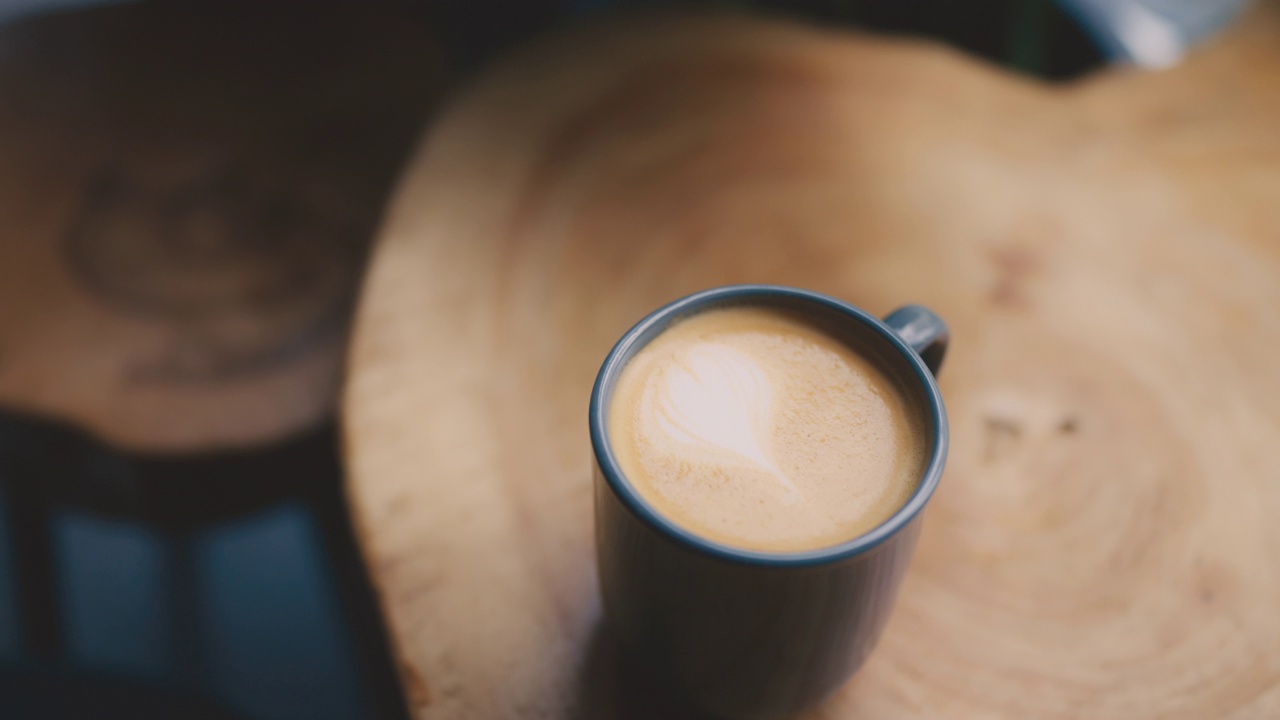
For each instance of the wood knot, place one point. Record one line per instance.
(1214, 584)
(1014, 266)
(1002, 435)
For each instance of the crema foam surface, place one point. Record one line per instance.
(752, 428)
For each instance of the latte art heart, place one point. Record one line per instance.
(717, 399)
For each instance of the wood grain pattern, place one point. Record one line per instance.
(1104, 541)
(187, 194)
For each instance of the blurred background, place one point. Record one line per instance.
(177, 545)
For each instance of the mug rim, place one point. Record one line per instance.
(630, 343)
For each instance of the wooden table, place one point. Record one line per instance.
(187, 194)
(1106, 540)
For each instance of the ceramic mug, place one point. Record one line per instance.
(749, 634)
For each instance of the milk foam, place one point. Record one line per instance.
(715, 399)
(755, 429)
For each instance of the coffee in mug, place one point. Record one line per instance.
(760, 429)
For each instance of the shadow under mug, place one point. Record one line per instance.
(747, 634)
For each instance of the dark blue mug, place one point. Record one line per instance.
(747, 634)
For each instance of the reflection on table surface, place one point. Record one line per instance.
(243, 589)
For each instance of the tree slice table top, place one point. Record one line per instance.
(187, 194)
(1104, 542)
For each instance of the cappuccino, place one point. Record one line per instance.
(756, 429)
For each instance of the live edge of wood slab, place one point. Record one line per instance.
(1106, 537)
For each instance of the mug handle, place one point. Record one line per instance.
(925, 332)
